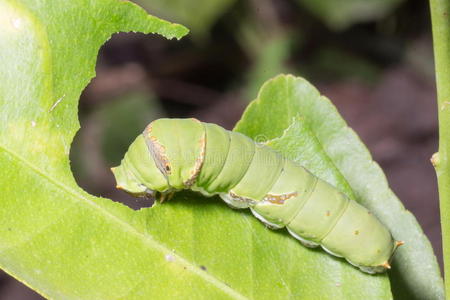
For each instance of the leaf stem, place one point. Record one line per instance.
(440, 15)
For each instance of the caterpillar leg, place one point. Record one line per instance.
(166, 196)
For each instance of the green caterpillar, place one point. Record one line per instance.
(176, 154)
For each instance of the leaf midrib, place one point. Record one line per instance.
(149, 241)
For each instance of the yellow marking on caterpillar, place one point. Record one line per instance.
(279, 199)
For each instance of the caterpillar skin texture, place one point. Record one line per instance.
(176, 154)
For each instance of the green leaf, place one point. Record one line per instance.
(65, 243)
(305, 126)
(342, 14)
(199, 16)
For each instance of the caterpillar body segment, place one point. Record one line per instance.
(176, 154)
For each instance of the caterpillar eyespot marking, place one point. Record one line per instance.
(177, 154)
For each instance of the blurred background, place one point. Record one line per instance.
(372, 58)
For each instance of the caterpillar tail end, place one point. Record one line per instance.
(376, 269)
(386, 265)
(396, 245)
(399, 243)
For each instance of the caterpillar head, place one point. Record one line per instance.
(128, 183)
(138, 174)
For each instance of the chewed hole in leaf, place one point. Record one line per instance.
(114, 109)
(105, 134)
(128, 92)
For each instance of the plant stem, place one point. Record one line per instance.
(440, 15)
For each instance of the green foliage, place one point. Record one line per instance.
(65, 243)
(202, 14)
(323, 65)
(342, 14)
(269, 62)
(199, 16)
(312, 126)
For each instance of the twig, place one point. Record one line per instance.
(440, 15)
